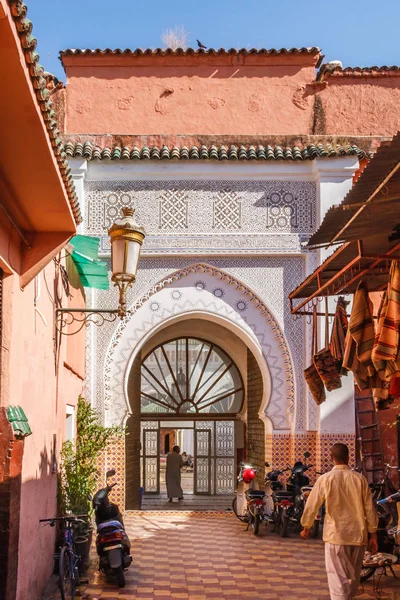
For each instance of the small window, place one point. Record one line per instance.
(70, 423)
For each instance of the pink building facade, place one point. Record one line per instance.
(231, 159)
(40, 373)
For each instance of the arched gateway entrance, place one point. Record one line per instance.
(206, 305)
(193, 392)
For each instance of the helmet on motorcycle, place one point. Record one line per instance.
(248, 475)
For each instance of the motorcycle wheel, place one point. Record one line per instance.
(243, 518)
(284, 526)
(366, 573)
(120, 576)
(256, 523)
(314, 529)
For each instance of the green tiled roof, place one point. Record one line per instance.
(92, 151)
(19, 421)
(39, 83)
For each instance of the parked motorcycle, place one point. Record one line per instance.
(249, 507)
(388, 546)
(288, 504)
(112, 543)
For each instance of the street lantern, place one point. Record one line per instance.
(126, 238)
(126, 242)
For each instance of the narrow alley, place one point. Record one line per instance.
(204, 556)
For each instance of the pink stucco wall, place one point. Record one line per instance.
(224, 95)
(155, 95)
(367, 105)
(29, 379)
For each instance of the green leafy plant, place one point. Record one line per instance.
(79, 472)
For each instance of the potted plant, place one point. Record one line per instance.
(79, 469)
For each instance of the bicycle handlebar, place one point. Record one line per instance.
(66, 518)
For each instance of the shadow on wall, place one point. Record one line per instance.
(26, 548)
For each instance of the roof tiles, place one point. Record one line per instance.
(186, 51)
(335, 70)
(39, 82)
(91, 151)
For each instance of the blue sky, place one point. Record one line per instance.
(357, 33)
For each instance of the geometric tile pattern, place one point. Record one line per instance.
(173, 210)
(324, 444)
(227, 211)
(191, 558)
(287, 448)
(198, 206)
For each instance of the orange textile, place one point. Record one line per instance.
(360, 340)
(386, 344)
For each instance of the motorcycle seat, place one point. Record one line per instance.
(112, 523)
(283, 494)
(255, 493)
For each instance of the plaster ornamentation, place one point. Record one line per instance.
(270, 278)
(173, 210)
(217, 244)
(227, 211)
(205, 208)
(255, 320)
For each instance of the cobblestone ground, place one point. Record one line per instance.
(203, 557)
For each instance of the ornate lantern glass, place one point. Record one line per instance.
(126, 241)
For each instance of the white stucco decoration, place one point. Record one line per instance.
(203, 291)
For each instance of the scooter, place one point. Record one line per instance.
(250, 508)
(289, 503)
(112, 543)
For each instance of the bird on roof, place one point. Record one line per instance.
(200, 45)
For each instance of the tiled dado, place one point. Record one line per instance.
(324, 443)
(281, 450)
(115, 459)
(286, 448)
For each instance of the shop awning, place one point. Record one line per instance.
(368, 222)
(342, 271)
(371, 206)
(92, 271)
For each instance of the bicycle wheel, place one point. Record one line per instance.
(67, 579)
(244, 518)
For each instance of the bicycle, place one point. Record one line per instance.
(69, 559)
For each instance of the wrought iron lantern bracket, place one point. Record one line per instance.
(83, 317)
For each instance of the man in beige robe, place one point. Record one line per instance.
(349, 517)
(173, 474)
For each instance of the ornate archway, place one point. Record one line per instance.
(210, 293)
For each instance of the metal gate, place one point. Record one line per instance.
(215, 461)
(214, 457)
(150, 457)
(202, 461)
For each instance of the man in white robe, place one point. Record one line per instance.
(173, 474)
(349, 517)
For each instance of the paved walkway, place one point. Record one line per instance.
(204, 557)
(190, 502)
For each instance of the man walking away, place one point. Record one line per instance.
(173, 474)
(349, 517)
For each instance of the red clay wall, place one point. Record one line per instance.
(360, 106)
(154, 95)
(225, 95)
